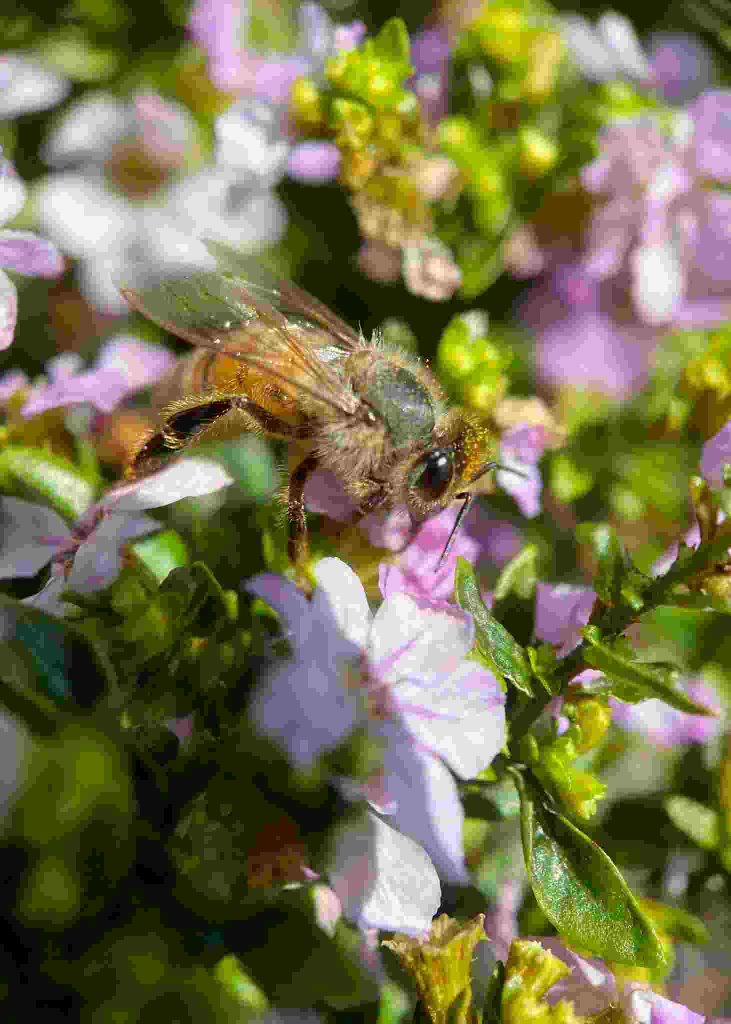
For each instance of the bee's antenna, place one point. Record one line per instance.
(468, 498)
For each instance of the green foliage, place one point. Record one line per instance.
(578, 888)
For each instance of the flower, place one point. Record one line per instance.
(27, 85)
(88, 556)
(430, 52)
(124, 365)
(665, 726)
(520, 451)
(660, 220)
(111, 202)
(403, 675)
(20, 251)
(716, 454)
(561, 611)
(611, 50)
(681, 66)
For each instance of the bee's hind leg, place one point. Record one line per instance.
(297, 546)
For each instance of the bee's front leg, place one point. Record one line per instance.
(297, 546)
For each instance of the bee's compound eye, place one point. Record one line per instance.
(434, 474)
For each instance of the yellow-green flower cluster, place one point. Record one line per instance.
(472, 364)
(364, 107)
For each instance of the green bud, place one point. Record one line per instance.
(352, 122)
(538, 153)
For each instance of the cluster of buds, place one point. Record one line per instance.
(472, 364)
(386, 158)
(706, 383)
(588, 719)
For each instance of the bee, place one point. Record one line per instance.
(278, 362)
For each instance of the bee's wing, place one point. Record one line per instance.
(283, 295)
(227, 315)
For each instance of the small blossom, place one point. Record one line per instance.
(611, 50)
(681, 66)
(403, 673)
(429, 270)
(124, 365)
(521, 450)
(379, 261)
(313, 162)
(561, 611)
(665, 726)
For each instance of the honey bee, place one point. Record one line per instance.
(278, 362)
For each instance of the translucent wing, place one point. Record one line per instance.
(284, 295)
(233, 317)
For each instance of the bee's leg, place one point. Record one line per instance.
(297, 545)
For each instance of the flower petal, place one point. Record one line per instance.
(619, 35)
(8, 310)
(716, 454)
(658, 281)
(561, 610)
(12, 192)
(383, 879)
(27, 86)
(98, 560)
(341, 590)
(314, 162)
(427, 804)
(187, 478)
(29, 536)
(26, 253)
(410, 638)
(88, 129)
(285, 598)
(460, 717)
(140, 363)
(305, 706)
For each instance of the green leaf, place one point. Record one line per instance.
(392, 42)
(634, 681)
(678, 924)
(698, 822)
(39, 476)
(579, 888)
(519, 576)
(206, 603)
(493, 640)
(610, 556)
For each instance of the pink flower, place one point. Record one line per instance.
(666, 727)
(124, 365)
(561, 611)
(716, 455)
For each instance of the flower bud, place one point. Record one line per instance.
(305, 104)
(546, 52)
(593, 716)
(441, 965)
(530, 972)
(353, 123)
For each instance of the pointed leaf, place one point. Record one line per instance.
(579, 888)
(392, 42)
(700, 823)
(503, 653)
(634, 681)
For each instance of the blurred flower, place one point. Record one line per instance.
(667, 727)
(681, 66)
(521, 450)
(561, 611)
(403, 673)
(430, 271)
(716, 454)
(111, 204)
(501, 922)
(27, 85)
(609, 50)
(219, 27)
(430, 52)
(20, 251)
(661, 220)
(379, 261)
(124, 365)
(88, 556)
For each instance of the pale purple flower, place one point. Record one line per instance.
(124, 365)
(88, 556)
(660, 220)
(666, 727)
(591, 987)
(403, 674)
(681, 66)
(20, 251)
(430, 53)
(521, 450)
(562, 610)
(429, 270)
(584, 338)
(219, 27)
(501, 921)
(716, 454)
(27, 85)
(10, 383)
